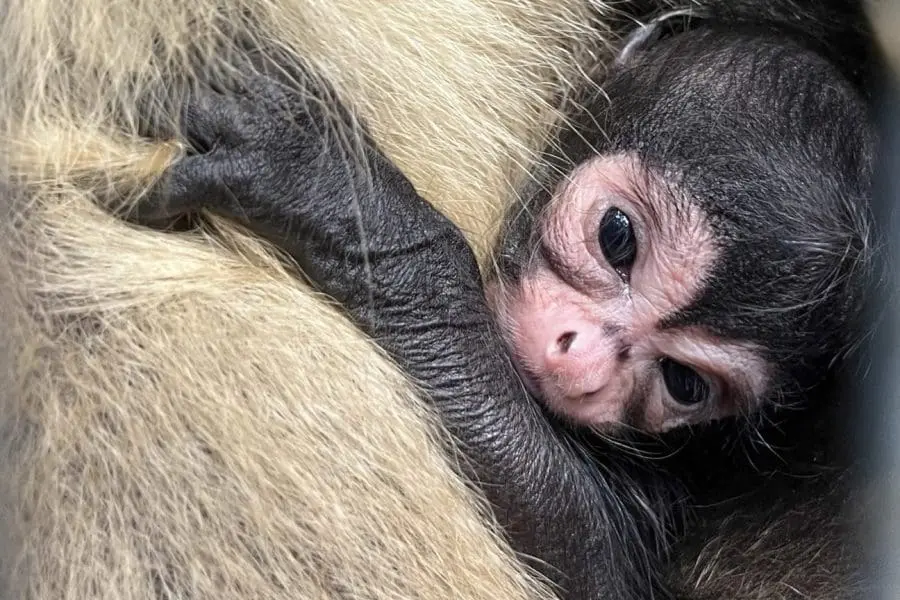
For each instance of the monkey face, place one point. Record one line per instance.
(701, 251)
(585, 320)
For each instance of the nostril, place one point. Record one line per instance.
(564, 342)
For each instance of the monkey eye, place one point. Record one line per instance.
(617, 241)
(684, 384)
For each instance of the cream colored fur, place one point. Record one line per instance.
(180, 417)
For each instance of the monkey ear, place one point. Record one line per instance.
(645, 34)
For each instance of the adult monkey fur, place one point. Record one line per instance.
(154, 450)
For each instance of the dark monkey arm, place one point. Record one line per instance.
(407, 277)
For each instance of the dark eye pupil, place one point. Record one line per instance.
(684, 384)
(617, 241)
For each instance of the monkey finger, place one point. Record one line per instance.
(210, 119)
(187, 186)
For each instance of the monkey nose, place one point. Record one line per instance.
(580, 356)
(574, 343)
(564, 342)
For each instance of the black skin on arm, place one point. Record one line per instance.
(406, 276)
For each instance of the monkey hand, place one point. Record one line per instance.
(279, 162)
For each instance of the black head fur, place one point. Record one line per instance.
(777, 146)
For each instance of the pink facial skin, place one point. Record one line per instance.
(588, 342)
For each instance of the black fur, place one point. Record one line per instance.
(595, 519)
(778, 148)
(782, 164)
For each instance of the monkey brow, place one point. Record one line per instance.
(652, 213)
(655, 196)
(569, 275)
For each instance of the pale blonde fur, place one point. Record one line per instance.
(180, 416)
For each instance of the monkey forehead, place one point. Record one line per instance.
(677, 246)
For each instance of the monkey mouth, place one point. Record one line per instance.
(577, 410)
(569, 408)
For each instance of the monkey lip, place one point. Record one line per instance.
(580, 409)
